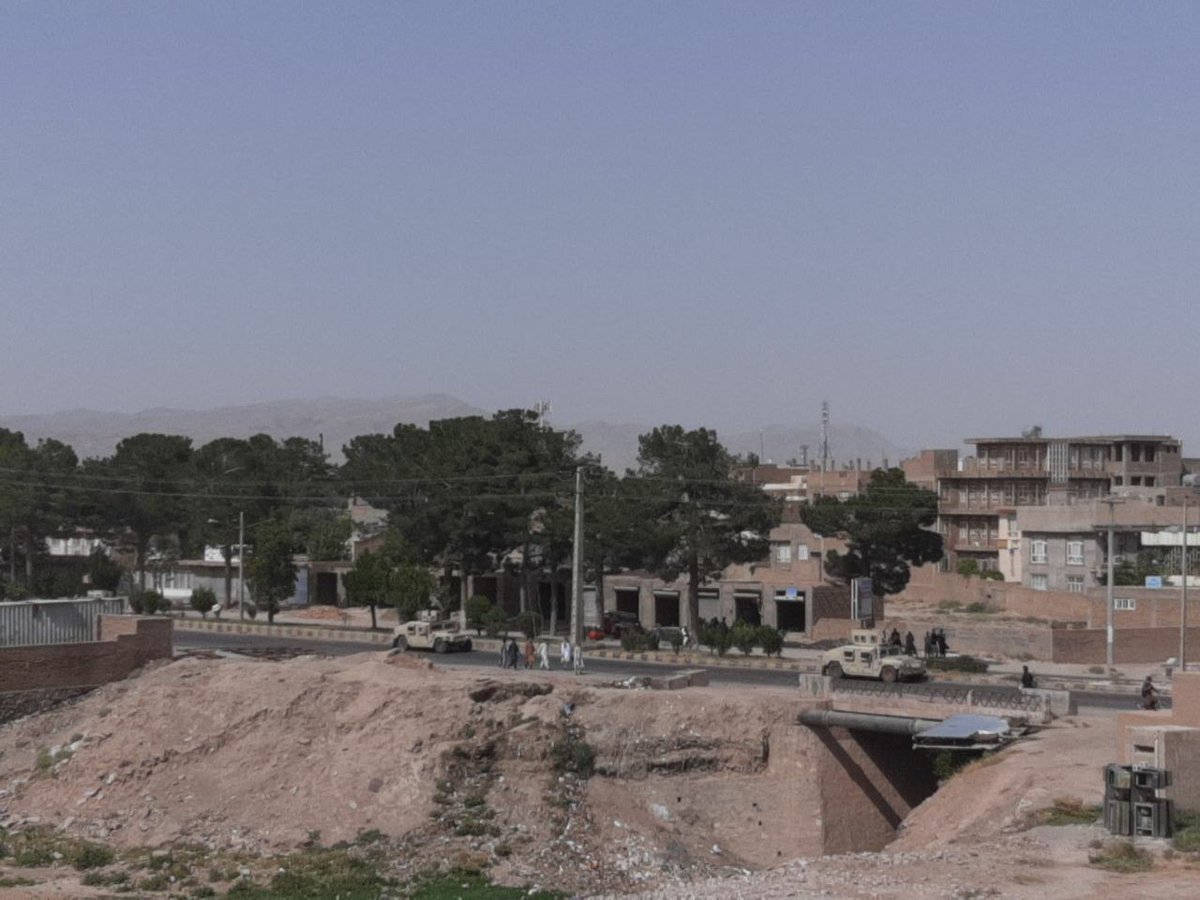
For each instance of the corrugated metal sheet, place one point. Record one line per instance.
(54, 621)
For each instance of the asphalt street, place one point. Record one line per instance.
(600, 669)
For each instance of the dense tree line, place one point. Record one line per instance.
(470, 495)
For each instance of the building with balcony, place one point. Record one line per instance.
(978, 497)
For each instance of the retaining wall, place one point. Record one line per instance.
(126, 644)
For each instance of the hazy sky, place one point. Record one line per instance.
(948, 219)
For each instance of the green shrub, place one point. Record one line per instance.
(744, 638)
(529, 623)
(146, 603)
(478, 608)
(676, 640)
(1187, 833)
(717, 639)
(571, 754)
(633, 643)
(86, 855)
(771, 640)
(495, 621)
(976, 607)
(203, 600)
(1121, 856)
(956, 664)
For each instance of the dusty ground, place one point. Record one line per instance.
(229, 755)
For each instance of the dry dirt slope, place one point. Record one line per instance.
(457, 768)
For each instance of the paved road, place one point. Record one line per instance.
(1093, 701)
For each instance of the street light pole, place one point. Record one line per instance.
(577, 564)
(241, 565)
(1108, 654)
(1183, 593)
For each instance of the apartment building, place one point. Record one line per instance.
(1064, 548)
(978, 500)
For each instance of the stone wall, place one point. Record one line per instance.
(126, 643)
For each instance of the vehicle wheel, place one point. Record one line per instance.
(833, 670)
(439, 646)
(400, 643)
(467, 646)
(887, 674)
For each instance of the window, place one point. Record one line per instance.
(801, 552)
(1118, 455)
(1074, 552)
(1149, 453)
(1075, 584)
(1135, 452)
(1125, 603)
(1037, 552)
(1039, 582)
(783, 553)
(1119, 480)
(1149, 481)
(1135, 480)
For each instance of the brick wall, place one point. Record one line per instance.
(127, 643)
(1130, 645)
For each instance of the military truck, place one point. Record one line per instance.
(869, 655)
(429, 634)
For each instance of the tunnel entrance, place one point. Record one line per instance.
(870, 781)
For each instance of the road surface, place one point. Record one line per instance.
(1092, 701)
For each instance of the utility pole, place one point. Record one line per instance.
(241, 565)
(577, 564)
(1112, 502)
(1183, 594)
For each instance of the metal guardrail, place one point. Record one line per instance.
(36, 622)
(955, 694)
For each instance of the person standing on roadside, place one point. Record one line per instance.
(543, 655)
(564, 652)
(529, 653)
(577, 659)
(1027, 680)
(1149, 694)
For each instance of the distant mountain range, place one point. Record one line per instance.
(336, 420)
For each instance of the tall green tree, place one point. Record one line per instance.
(270, 568)
(38, 494)
(703, 518)
(888, 529)
(143, 490)
(463, 491)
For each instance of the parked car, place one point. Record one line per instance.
(614, 624)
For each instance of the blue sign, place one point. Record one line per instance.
(1153, 581)
(792, 593)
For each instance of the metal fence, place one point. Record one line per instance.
(942, 692)
(55, 621)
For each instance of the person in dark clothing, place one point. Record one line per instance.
(1027, 679)
(895, 641)
(1149, 694)
(910, 644)
(514, 653)
(939, 638)
(928, 645)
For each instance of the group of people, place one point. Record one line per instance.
(538, 656)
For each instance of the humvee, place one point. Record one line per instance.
(426, 634)
(867, 656)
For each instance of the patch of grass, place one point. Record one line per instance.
(105, 879)
(1121, 856)
(1098, 670)
(157, 882)
(369, 836)
(320, 875)
(571, 754)
(17, 882)
(86, 855)
(1187, 834)
(976, 607)
(467, 885)
(1067, 811)
(45, 759)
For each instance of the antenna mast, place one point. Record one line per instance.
(825, 461)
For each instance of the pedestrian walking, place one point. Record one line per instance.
(577, 659)
(514, 653)
(529, 653)
(543, 655)
(1149, 694)
(503, 654)
(564, 653)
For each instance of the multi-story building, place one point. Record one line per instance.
(1064, 548)
(978, 499)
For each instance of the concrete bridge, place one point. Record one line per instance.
(936, 700)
